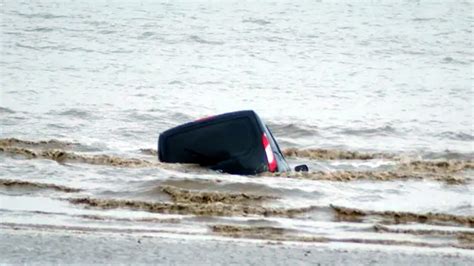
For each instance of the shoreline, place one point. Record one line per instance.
(60, 246)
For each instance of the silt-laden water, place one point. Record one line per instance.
(375, 97)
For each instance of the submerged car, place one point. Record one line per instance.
(235, 143)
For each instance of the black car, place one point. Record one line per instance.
(235, 143)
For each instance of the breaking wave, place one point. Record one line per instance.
(45, 144)
(447, 166)
(325, 154)
(282, 234)
(394, 217)
(438, 170)
(210, 209)
(97, 217)
(429, 232)
(10, 183)
(152, 152)
(62, 156)
(345, 176)
(204, 197)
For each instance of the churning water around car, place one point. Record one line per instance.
(375, 97)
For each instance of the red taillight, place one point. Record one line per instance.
(272, 164)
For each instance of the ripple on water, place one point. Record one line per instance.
(293, 130)
(75, 113)
(387, 130)
(43, 15)
(462, 136)
(198, 39)
(4, 110)
(450, 60)
(40, 29)
(260, 22)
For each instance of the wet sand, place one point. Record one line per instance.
(22, 245)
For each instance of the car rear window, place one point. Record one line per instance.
(212, 142)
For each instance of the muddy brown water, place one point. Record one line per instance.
(377, 103)
(297, 207)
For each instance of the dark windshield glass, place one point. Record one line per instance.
(213, 142)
